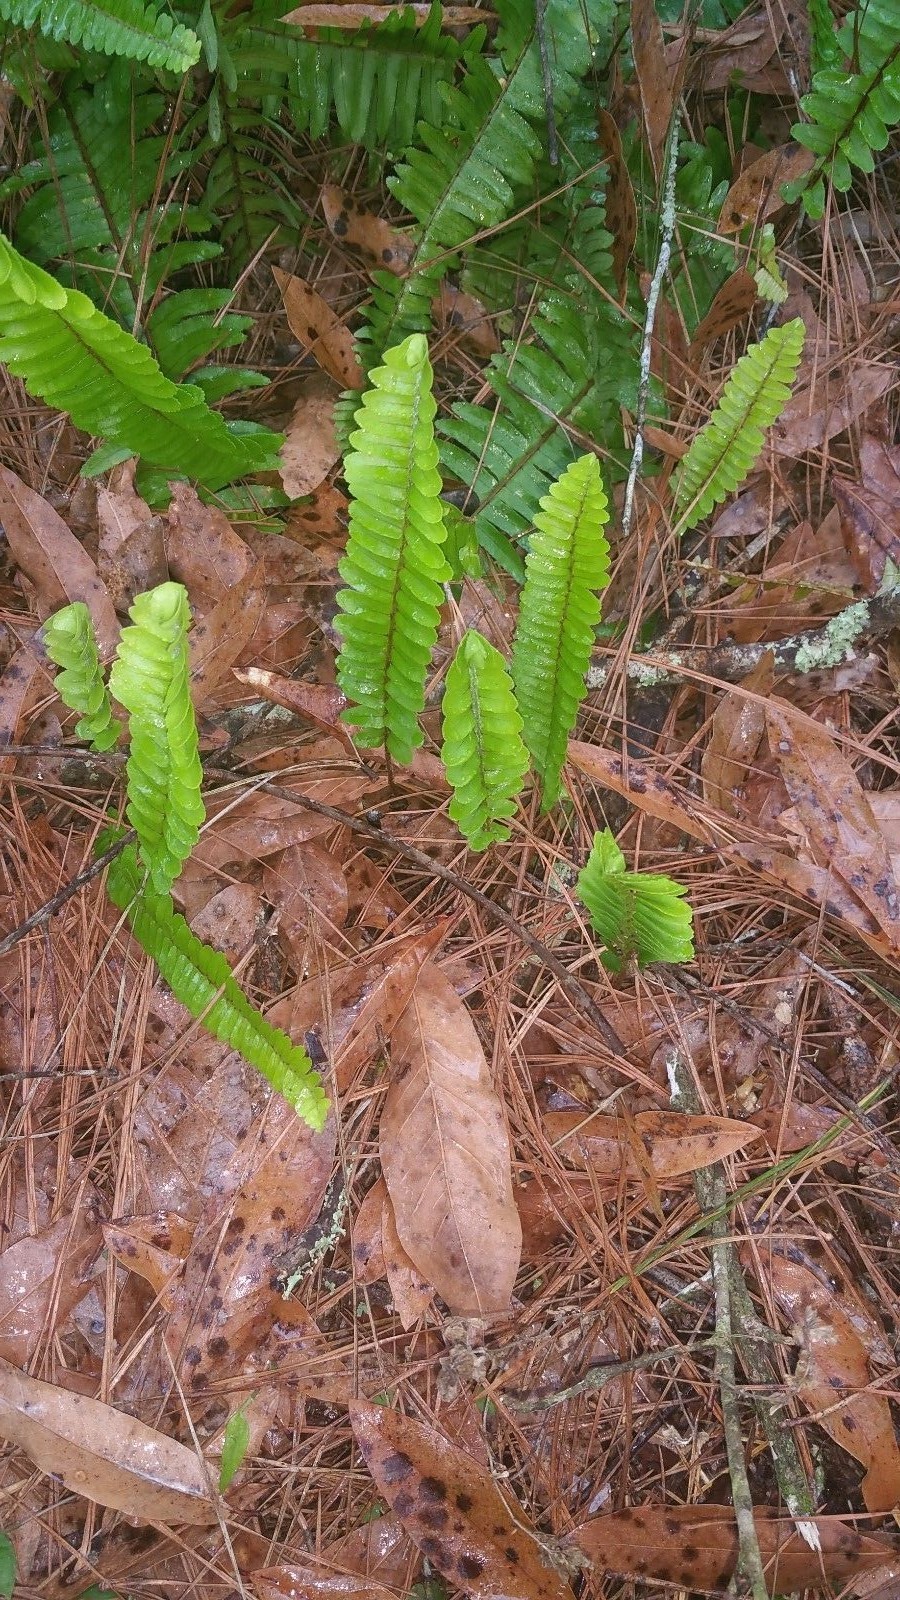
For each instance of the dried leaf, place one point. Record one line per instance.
(824, 407)
(838, 828)
(52, 558)
(647, 790)
(731, 304)
(384, 245)
(315, 326)
(153, 1247)
(311, 447)
(655, 78)
(44, 1275)
(621, 211)
(674, 1144)
(411, 1294)
(833, 1377)
(870, 511)
(736, 733)
(695, 1547)
(466, 317)
(736, 52)
(23, 681)
(353, 13)
(202, 548)
(445, 1153)
(374, 1562)
(259, 825)
(368, 1249)
(756, 194)
(306, 884)
(453, 1509)
(131, 553)
(104, 1454)
(223, 634)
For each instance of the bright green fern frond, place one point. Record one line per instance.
(567, 564)
(202, 980)
(483, 753)
(71, 644)
(850, 112)
(824, 48)
(117, 28)
(150, 679)
(725, 450)
(638, 914)
(75, 358)
(394, 565)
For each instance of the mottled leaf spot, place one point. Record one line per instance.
(397, 1467)
(433, 1489)
(470, 1567)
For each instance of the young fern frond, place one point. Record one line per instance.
(638, 914)
(727, 447)
(394, 564)
(202, 980)
(117, 28)
(483, 753)
(150, 679)
(559, 609)
(71, 644)
(73, 357)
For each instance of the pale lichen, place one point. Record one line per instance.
(835, 642)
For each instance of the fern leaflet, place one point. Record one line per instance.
(202, 980)
(726, 448)
(70, 643)
(483, 753)
(150, 678)
(394, 564)
(117, 28)
(558, 612)
(639, 914)
(76, 359)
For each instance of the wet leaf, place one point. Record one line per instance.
(44, 1275)
(52, 558)
(829, 404)
(833, 1376)
(374, 1562)
(410, 1292)
(202, 548)
(318, 330)
(695, 1547)
(870, 511)
(223, 634)
(260, 825)
(103, 1454)
(621, 211)
(311, 447)
(738, 725)
(674, 1144)
(368, 1249)
(306, 885)
(445, 1153)
(452, 1508)
(737, 52)
(647, 789)
(466, 317)
(731, 304)
(131, 553)
(384, 246)
(756, 194)
(153, 1247)
(656, 80)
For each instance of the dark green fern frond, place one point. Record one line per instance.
(71, 644)
(483, 753)
(567, 564)
(150, 679)
(824, 48)
(117, 28)
(77, 360)
(850, 112)
(640, 914)
(394, 566)
(725, 450)
(202, 980)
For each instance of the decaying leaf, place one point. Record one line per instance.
(46, 1274)
(445, 1153)
(738, 726)
(52, 558)
(695, 1547)
(311, 447)
(384, 246)
(104, 1454)
(410, 1292)
(756, 194)
(621, 211)
(657, 82)
(315, 326)
(453, 1509)
(731, 304)
(374, 1562)
(674, 1144)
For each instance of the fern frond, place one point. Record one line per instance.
(77, 360)
(851, 112)
(559, 609)
(202, 980)
(483, 754)
(150, 679)
(824, 48)
(727, 447)
(71, 644)
(394, 564)
(639, 914)
(117, 28)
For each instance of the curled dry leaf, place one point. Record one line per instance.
(674, 1144)
(311, 447)
(104, 1454)
(52, 558)
(452, 1508)
(756, 194)
(695, 1547)
(833, 1377)
(445, 1153)
(315, 326)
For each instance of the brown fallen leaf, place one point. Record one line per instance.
(353, 13)
(53, 560)
(828, 405)
(315, 326)
(833, 1376)
(832, 813)
(737, 730)
(306, 884)
(737, 52)
(695, 1547)
(468, 318)
(223, 634)
(385, 247)
(104, 1454)
(445, 1153)
(647, 789)
(870, 511)
(374, 1562)
(310, 447)
(621, 211)
(44, 1276)
(410, 1292)
(22, 683)
(131, 554)
(203, 550)
(453, 1509)
(657, 83)
(731, 304)
(262, 824)
(366, 1231)
(674, 1144)
(153, 1247)
(756, 194)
